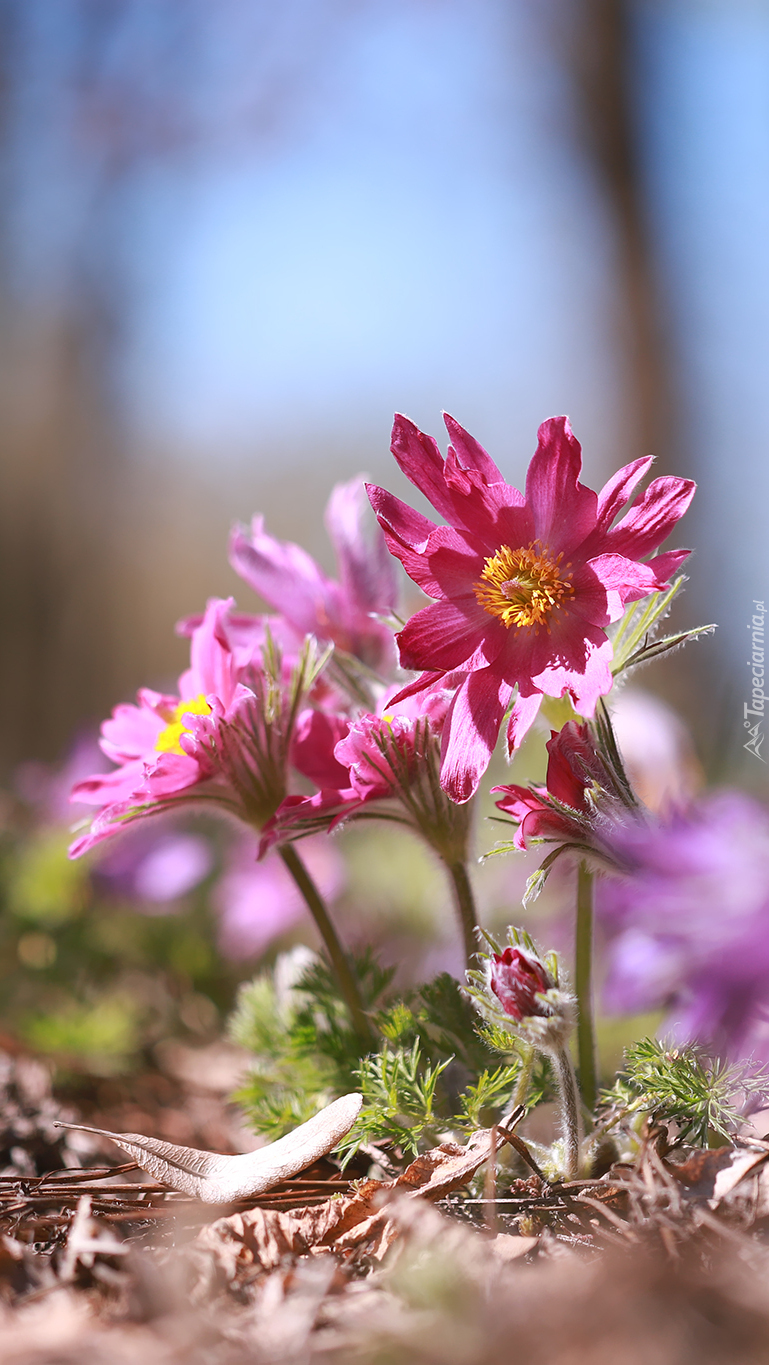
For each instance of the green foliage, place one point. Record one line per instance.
(102, 1034)
(435, 1069)
(634, 638)
(492, 1089)
(700, 1093)
(297, 1027)
(400, 1103)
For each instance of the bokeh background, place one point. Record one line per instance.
(237, 236)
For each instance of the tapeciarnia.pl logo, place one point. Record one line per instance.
(753, 710)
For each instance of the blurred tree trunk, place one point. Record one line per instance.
(56, 538)
(601, 53)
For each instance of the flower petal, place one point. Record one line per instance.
(421, 461)
(471, 730)
(615, 494)
(284, 575)
(469, 453)
(366, 570)
(564, 510)
(106, 788)
(651, 518)
(522, 717)
(446, 635)
(312, 748)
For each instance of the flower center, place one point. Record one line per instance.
(522, 587)
(167, 741)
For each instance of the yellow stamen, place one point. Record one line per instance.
(523, 587)
(167, 741)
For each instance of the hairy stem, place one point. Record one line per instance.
(521, 1089)
(314, 902)
(583, 982)
(570, 1111)
(465, 907)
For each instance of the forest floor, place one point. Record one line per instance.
(663, 1259)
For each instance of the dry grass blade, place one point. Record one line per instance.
(217, 1179)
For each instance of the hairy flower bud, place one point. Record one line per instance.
(517, 978)
(519, 991)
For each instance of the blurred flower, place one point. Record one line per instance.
(656, 749)
(257, 902)
(526, 586)
(155, 867)
(341, 612)
(688, 923)
(48, 789)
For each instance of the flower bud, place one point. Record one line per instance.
(519, 991)
(517, 978)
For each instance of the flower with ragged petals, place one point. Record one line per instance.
(344, 611)
(585, 794)
(375, 762)
(525, 586)
(224, 739)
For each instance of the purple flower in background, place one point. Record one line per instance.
(257, 902)
(342, 612)
(688, 926)
(154, 867)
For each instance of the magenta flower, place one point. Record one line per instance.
(258, 901)
(341, 612)
(582, 800)
(525, 586)
(375, 759)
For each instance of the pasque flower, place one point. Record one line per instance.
(518, 978)
(585, 795)
(519, 991)
(342, 612)
(525, 585)
(372, 759)
(223, 739)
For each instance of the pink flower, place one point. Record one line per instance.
(377, 759)
(517, 977)
(581, 796)
(313, 604)
(525, 586)
(219, 740)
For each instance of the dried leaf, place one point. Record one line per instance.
(217, 1179)
(712, 1175)
(264, 1236)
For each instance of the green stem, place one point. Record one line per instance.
(570, 1111)
(464, 902)
(583, 983)
(314, 902)
(521, 1089)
